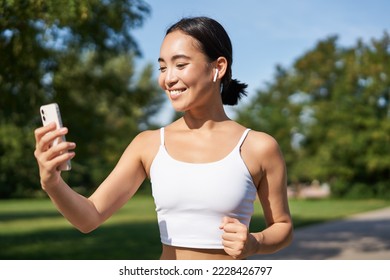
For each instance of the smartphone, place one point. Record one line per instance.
(51, 113)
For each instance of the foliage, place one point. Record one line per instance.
(330, 112)
(79, 54)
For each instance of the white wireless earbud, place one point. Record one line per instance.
(215, 75)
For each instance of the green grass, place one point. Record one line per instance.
(33, 229)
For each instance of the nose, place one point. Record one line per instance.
(170, 77)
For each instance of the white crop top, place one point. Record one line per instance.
(192, 198)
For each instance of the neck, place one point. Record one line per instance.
(205, 119)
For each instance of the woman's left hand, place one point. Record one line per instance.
(236, 239)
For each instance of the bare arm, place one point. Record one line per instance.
(272, 192)
(86, 213)
(267, 166)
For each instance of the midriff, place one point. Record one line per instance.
(180, 253)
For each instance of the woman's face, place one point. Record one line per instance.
(185, 73)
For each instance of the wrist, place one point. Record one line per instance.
(48, 186)
(257, 241)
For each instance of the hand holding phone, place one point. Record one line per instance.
(51, 113)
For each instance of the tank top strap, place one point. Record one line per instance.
(242, 138)
(162, 136)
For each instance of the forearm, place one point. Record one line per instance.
(272, 239)
(77, 209)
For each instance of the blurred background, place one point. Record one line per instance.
(318, 75)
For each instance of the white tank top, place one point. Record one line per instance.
(192, 198)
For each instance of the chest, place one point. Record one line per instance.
(200, 149)
(221, 187)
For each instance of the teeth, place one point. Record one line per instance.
(176, 92)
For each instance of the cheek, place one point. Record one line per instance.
(161, 80)
(191, 77)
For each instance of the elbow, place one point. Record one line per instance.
(89, 222)
(289, 233)
(287, 238)
(290, 237)
(87, 228)
(280, 237)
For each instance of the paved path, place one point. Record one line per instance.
(364, 236)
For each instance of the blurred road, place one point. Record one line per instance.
(364, 236)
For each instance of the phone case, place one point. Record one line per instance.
(51, 113)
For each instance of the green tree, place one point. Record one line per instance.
(331, 114)
(79, 54)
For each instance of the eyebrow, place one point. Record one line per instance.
(175, 57)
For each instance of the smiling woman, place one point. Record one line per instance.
(185, 73)
(213, 43)
(206, 170)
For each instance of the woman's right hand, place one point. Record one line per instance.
(50, 157)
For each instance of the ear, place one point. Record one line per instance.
(221, 64)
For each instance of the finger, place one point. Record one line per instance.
(44, 153)
(229, 237)
(39, 132)
(233, 245)
(234, 227)
(56, 162)
(63, 158)
(235, 238)
(233, 253)
(227, 220)
(233, 249)
(62, 148)
(47, 139)
(240, 236)
(224, 221)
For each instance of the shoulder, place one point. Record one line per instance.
(264, 148)
(145, 140)
(262, 142)
(147, 136)
(142, 149)
(261, 153)
(146, 145)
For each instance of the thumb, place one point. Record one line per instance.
(226, 220)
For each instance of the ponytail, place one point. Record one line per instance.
(232, 92)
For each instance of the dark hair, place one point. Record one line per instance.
(214, 42)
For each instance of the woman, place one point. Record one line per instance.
(205, 169)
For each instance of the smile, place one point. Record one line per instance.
(176, 93)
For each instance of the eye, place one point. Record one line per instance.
(181, 65)
(162, 69)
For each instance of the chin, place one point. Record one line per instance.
(178, 109)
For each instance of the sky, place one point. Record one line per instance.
(266, 33)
